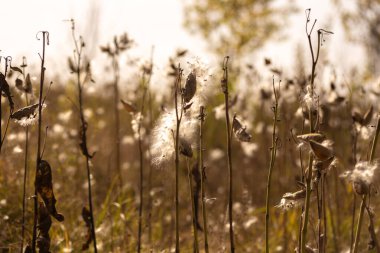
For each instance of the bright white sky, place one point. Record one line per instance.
(148, 22)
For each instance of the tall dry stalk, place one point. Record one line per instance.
(202, 173)
(178, 114)
(364, 197)
(271, 166)
(193, 214)
(224, 84)
(77, 68)
(45, 41)
(145, 84)
(26, 156)
(314, 58)
(120, 45)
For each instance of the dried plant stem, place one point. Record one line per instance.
(45, 41)
(193, 214)
(83, 129)
(229, 153)
(364, 197)
(202, 172)
(116, 99)
(26, 155)
(271, 166)
(141, 156)
(177, 90)
(307, 205)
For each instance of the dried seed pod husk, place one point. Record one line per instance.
(240, 131)
(129, 106)
(320, 151)
(86, 215)
(323, 165)
(44, 185)
(368, 116)
(4, 88)
(25, 112)
(185, 148)
(190, 87)
(318, 137)
(360, 187)
(301, 194)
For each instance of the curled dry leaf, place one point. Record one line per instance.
(72, 67)
(320, 151)
(43, 226)
(44, 185)
(190, 87)
(185, 148)
(4, 88)
(83, 141)
(86, 215)
(240, 131)
(197, 191)
(129, 106)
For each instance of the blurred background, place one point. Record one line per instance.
(265, 39)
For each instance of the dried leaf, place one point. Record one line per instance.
(190, 87)
(44, 186)
(320, 151)
(83, 141)
(4, 87)
(129, 106)
(72, 67)
(197, 190)
(17, 69)
(240, 131)
(43, 226)
(86, 215)
(185, 148)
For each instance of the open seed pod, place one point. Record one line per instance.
(185, 148)
(240, 131)
(320, 151)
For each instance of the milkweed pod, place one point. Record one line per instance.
(240, 131)
(320, 151)
(190, 87)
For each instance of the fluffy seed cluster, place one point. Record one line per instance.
(163, 134)
(363, 176)
(292, 199)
